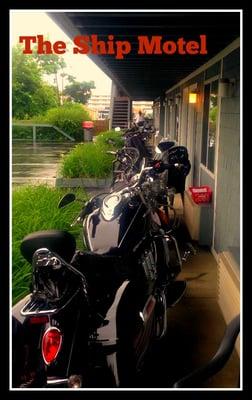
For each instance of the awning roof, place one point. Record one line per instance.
(146, 77)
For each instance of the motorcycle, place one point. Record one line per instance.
(136, 146)
(92, 315)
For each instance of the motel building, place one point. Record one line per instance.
(196, 103)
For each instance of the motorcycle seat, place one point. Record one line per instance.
(60, 242)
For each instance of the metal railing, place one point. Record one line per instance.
(34, 132)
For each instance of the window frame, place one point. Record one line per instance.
(202, 164)
(176, 123)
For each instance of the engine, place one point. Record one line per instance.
(149, 265)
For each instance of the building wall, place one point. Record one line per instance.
(224, 225)
(101, 104)
(227, 227)
(206, 179)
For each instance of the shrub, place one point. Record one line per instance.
(33, 209)
(68, 117)
(104, 137)
(87, 160)
(22, 132)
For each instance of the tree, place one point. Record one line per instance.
(79, 92)
(45, 98)
(30, 95)
(51, 64)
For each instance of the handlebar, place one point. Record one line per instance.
(158, 167)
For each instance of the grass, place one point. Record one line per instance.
(87, 160)
(35, 208)
(104, 137)
(90, 160)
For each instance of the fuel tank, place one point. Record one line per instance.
(117, 226)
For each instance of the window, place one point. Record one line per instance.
(210, 112)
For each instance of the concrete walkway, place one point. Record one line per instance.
(195, 329)
(36, 164)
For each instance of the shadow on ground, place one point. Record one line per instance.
(195, 329)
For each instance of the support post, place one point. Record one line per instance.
(34, 134)
(162, 117)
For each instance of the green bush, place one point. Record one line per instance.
(22, 132)
(104, 137)
(87, 160)
(33, 209)
(68, 117)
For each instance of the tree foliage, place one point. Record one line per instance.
(68, 117)
(79, 92)
(30, 94)
(50, 63)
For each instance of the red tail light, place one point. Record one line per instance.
(51, 344)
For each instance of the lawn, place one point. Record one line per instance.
(35, 208)
(91, 160)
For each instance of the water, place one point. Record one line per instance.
(37, 163)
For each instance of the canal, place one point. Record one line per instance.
(37, 163)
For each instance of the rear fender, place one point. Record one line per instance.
(16, 309)
(28, 369)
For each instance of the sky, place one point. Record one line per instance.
(34, 23)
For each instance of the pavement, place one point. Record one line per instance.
(195, 329)
(36, 163)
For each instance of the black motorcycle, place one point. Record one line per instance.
(92, 315)
(136, 148)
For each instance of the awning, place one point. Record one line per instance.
(147, 76)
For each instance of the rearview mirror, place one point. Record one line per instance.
(66, 199)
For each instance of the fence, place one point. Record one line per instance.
(100, 125)
(35, 126)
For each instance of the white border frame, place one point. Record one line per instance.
(233, 45)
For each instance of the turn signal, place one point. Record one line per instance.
(51, 344)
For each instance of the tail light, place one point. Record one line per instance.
(51, 344)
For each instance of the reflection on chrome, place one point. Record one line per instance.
(109, 206)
